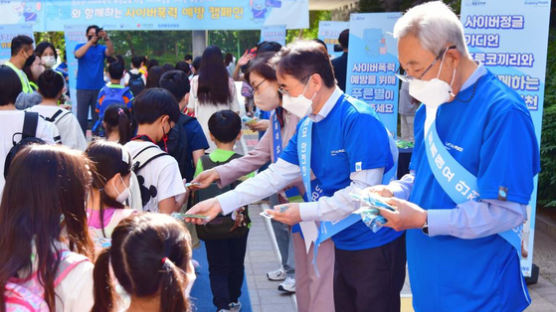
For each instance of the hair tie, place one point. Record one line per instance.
(164, 260)
(120, 111)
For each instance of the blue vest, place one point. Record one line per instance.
(349, 139)
(488, 130)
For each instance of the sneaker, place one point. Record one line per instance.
(288, 286)
(235, 306)
(277, 275)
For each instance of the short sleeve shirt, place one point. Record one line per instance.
(90, 71)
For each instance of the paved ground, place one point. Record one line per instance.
(262, 256)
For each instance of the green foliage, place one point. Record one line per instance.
(54, 37)
(313, 31)
(235, 42)
(547, 177)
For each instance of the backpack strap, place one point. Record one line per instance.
(145, 156)
(30, 123)
(58, 115)
(69, 260)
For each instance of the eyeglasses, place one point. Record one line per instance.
(255, 88)
(305, 79)
(405, 77)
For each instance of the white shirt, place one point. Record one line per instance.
(203, 111)
(11, 122)
(68, 126)
(162, 173)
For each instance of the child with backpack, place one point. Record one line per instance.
(51, 87)
(113, 93)
(150, 257)
(137, 80)
(162, 189)
(16, 125)
(106, 205)
(45, 244)
(226, 236)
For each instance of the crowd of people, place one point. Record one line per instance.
(110, 223)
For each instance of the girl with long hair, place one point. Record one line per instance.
(45, 242)
(212, 90)
(151, 259)
(118, 124)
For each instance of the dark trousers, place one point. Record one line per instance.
(86, 100)
(226, 270)
(370, 280)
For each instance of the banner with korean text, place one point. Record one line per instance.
(74, 35)
(275, 33)
(511, 38)
(373, 63)
(52, 15)
(329, 32)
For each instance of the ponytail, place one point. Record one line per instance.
(124, 127)
(103, 289)
(172, 282)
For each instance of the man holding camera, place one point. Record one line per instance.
(90, 79)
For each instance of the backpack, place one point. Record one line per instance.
(136, 83)
(28, 295)
(112, 96)
(177, 145)
(223, 226)
(28, 136)
(140, 160)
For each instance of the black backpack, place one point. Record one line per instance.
(221, 227)
(28, 137)
(136, 84)
(140, 160)
(177, 146)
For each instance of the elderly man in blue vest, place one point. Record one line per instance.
(472, 171)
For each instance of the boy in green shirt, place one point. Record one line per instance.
(226, 236)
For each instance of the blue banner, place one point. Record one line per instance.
(495, 32)
(52, 15)
(373, 63)
(275, 33)
(7, 32)
(329, 32)
(73, 34)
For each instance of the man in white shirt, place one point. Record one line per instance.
(11, 119)
(162, 189)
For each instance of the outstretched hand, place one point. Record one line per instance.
(290, 214)
(407, 215)
(204, 179)
(209, 208)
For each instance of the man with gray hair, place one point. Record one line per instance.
(472, 170)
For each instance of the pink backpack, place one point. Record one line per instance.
(28, 295)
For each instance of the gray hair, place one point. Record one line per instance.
(435, 25)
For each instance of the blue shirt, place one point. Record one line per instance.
(489, 131)
(349, 139)
(91, 68)
(196, 140)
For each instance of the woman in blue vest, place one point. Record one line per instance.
(473, 165)
(348, 150)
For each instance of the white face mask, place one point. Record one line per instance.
(434, 92)
(123, 196)
(48, 61)
(299, 105)
(266, 99)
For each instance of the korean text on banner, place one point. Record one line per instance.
(494, 33)
(275, 33)
(373, 63)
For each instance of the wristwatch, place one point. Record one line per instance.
(425, 228)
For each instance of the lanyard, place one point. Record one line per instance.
(276, 136)
(455, 180)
